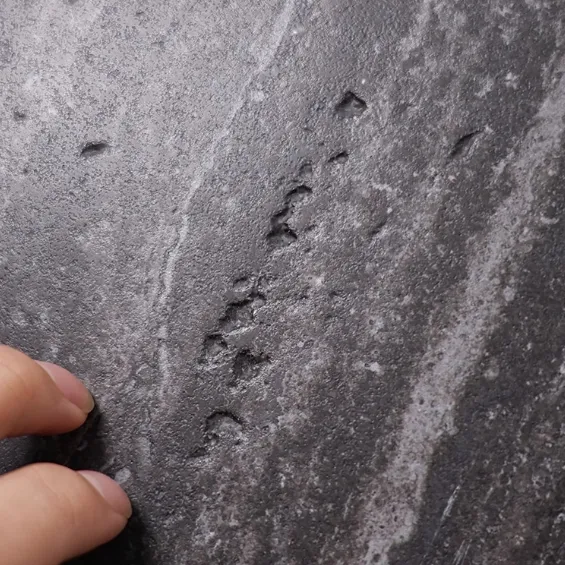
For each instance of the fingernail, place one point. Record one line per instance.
(111, 492)
(72, 389)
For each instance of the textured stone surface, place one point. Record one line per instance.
(309, 257)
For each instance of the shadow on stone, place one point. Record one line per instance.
(85, 449)
(81, 449)
(129, 548)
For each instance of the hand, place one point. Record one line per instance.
(48, 513)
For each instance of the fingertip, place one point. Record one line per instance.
(70, 386)
(110, 491)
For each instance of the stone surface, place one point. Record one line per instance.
(309, 258)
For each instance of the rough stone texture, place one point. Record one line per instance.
(309, 257)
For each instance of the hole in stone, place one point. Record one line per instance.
(463, 144)
(350, 106)
(223, 426)
(281, 236)
(306, 170)
(296, 195)
(339, 159)
(246, 366)
(95, 148)
(238, 315)
(214, 346)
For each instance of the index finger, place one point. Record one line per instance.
(38, 398)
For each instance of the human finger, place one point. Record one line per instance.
(39, 398)
(50, 514)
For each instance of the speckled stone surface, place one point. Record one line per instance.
(309, 256)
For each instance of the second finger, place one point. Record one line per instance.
(36, 399)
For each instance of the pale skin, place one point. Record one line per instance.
(48, 513)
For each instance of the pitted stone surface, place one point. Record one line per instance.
(309, 258)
